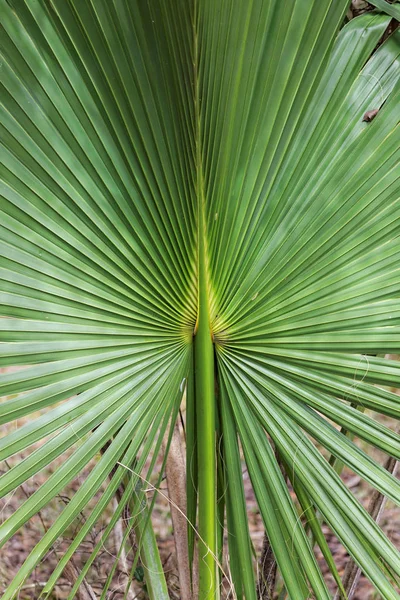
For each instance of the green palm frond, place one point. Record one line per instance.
(193, 204)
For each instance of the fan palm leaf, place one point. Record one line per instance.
(193, 202)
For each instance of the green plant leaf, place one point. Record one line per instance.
(388, 8)
(192, 201)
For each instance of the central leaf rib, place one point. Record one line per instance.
(204, 376)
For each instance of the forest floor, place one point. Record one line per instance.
(17, 549)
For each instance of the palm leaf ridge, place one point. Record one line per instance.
(111, 116)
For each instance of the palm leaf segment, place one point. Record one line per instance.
(179, 168)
